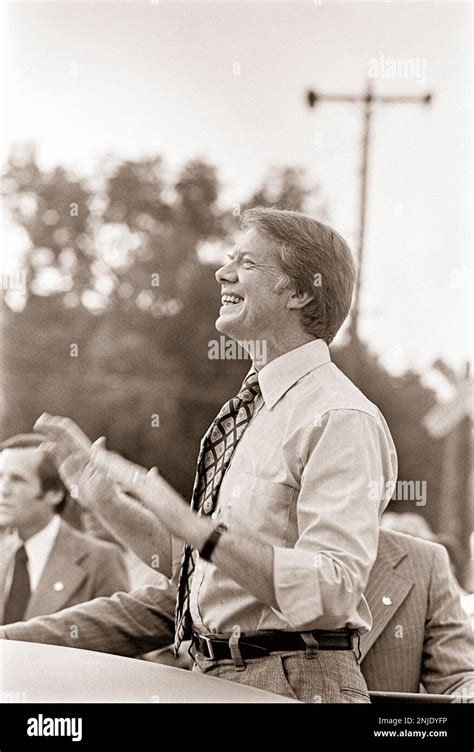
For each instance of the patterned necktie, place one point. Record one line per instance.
(20, 590)
(217, 448)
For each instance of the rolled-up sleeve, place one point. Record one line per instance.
(347, 481)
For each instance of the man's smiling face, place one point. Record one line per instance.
(251, 309)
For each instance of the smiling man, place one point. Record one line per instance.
(282, 530)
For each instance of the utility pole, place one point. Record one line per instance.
(367, 100)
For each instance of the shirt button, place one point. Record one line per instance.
(386, 600)
(199, 567)
(207, 506)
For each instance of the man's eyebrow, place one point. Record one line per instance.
(235, 254)
(16, 476)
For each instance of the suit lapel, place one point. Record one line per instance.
(8, 544)
(61, 577)
(388, 587)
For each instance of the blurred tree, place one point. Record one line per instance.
(283, 188)
(114, 325)
(403, 401)
(53, 210)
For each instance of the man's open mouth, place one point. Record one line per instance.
(230, 300)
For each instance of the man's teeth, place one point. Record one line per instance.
(230, 299)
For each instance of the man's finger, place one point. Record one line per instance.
(62, 429)
(100, 442)
(48, 446)
(55, 450)
(41, 421)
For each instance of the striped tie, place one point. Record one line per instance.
(217, 448)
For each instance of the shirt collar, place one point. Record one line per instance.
(10, 541)
(280, 374)
(44, 539)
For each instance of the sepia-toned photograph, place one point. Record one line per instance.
(236, 388)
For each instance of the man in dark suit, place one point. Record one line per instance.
(46, 565)
(420, 634)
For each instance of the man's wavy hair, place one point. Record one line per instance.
(307, 248)
(47, 472)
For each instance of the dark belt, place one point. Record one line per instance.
(264, 643)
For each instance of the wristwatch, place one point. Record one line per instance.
(209, 546)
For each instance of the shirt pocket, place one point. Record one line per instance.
(263, 506)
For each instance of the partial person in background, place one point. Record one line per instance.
(420, 638)
(409, 523)
(45, 565)
(455, 554)
(412, 523)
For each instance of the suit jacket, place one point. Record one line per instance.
(420, 633)
(79, 568)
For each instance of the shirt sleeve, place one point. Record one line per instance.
(347, 481)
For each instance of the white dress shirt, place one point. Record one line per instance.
(38, 549)
(302, 479)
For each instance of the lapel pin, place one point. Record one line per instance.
(386, 600)
(58, 586)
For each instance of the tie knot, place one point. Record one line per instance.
(21, 554)
(250, 387)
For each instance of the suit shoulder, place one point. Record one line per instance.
(88, 544)
(412, 545)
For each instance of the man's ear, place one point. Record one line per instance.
(52, 497)
(299, 300)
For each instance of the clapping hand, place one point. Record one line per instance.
(90, 472)
(70, 448)
(66, 436)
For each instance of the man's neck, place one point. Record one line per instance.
(274, 349)
(27, 531)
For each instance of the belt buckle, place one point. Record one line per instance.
(208, 641)
(356, 644)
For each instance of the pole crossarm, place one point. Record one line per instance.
(314, 98)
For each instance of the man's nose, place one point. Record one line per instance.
(227, 273)
(5, 488)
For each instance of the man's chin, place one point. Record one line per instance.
(224, 325)
(6, 522)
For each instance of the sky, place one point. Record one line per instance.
(226, 81)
